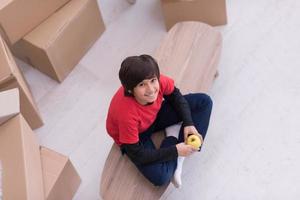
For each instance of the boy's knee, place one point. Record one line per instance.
(203, 100)
(161, 179)
(208, 100)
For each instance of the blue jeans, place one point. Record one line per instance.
(160, 173)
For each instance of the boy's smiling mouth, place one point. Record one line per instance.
(152, 95)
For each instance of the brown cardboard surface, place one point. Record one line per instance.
(21, 164)
(9, 104)
(212, 12)
(57, 45)
(12, 77)
(18, 17)
(61, 180)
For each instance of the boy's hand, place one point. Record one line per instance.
(191, 130)
(184, 149)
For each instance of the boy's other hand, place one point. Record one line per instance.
(184, 149)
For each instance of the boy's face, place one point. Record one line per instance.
(146, 91)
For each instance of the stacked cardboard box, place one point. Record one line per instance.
(18, 17)
(21, 163)
(212, 12)
(28, 171)
(61, 180)
(19, 152)
(57, 45)
(54, 46)
(11, 77)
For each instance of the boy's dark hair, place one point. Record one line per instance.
(135, 69)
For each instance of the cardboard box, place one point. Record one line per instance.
(56, 46)
(9, 104)
(21, 161)
(61, 180)
(212, 12)
(11, 77)
(18, 17)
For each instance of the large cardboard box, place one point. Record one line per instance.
(57, 45)
(61, 180)
(9, 104)
(11, 77)
(21, 161)
(18, 17)
(212, 12)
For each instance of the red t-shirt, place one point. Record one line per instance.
(127, 118)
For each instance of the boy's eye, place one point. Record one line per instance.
(141, 84)
(153, 80)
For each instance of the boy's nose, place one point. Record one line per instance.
(150, 88)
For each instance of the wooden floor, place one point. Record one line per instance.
(253, 143)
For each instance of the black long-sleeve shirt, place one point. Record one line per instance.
(140, 155)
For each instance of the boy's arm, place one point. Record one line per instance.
(139, 155)
(181, 106)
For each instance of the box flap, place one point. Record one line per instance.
(9, 104)
(52, 164)
(5, 69)
(17, 17)
(43, 35)
(61, 180)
